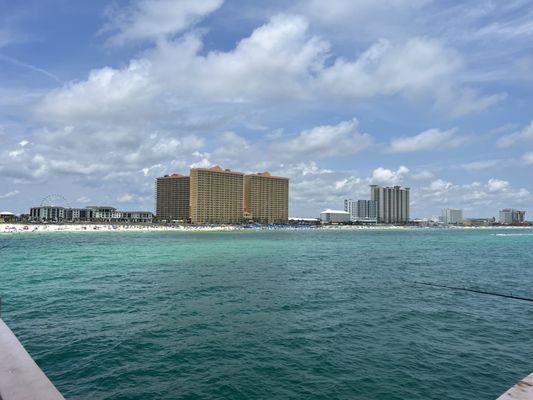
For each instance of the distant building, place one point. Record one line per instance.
(362, 210)
(304, 221)
(88, 214)
(266, 198)
(172, 194)
(509, 216)
(216, 196)
(452, 216)
(6, 216)
(392, 204)
(479, 221)
(334, 216)
(48, 214)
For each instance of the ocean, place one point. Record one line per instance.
(311, 314)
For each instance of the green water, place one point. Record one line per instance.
(272, 315)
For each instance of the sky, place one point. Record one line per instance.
(99, 98)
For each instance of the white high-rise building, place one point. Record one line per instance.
(452, 216)
(392, 204)
(510, 216)
(361, 210)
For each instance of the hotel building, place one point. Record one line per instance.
(266, 198)
(392, 204)
(510, 216)
(362, 210)
(172, 194)
(216, 196)
(452, 216)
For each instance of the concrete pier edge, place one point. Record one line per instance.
(523, 390)
(20, 377)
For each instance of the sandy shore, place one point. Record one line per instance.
(67, 228)
(38, 228)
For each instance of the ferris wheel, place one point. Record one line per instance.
(55, 200)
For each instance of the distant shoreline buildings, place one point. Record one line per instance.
(222, 196)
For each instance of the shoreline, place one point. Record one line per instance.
(7, 228)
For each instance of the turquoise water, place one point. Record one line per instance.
(272, 315)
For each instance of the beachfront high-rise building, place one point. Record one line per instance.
(172, 194)
(510, 216)
(216, 196)
(452, 216)
(392, 204)
(361, 210)
(266, 198)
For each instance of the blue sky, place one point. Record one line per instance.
(99, 98)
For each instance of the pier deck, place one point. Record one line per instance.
(20, 377)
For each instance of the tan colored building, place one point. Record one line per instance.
(266, 198)
(172, 197)
(216, 196)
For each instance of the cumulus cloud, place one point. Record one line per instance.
(156, 19)
(427, 140)
(326, 141)
(279, 61)
(522, 135)
(384, 176)
(475, 198)
(440, 185)
(108, 94)
(497, 185)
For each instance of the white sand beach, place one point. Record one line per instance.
(67, 228)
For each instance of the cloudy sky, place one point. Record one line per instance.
(98, 98)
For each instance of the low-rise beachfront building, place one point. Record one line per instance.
(6, 216)
(334, 217)
(88, 214)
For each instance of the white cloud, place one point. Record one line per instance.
(279, 61)
(9, 194)
(513, 138)
(423, 175)
(108, 94)
(126, 198)
(427, 140)
(326, 141)
(440, 185)
(497, 185)
(156, 19)
(83, 200)
(485, 164)
(383, 176)
(527, 158)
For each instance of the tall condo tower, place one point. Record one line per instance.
(393, 204)
(266, 198)
(172, 197)
(216, 196)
